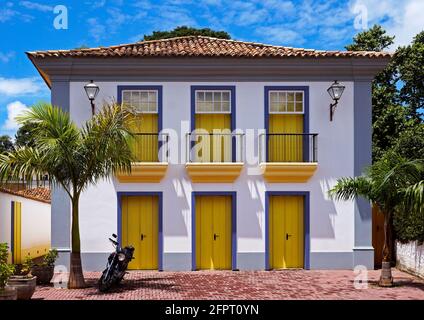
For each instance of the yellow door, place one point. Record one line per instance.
(140, 228)
(216, 124)
(286, 235)
(145, 142)
(213, 232)
(285, 148)
(17, 232)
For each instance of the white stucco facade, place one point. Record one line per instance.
(331, 222)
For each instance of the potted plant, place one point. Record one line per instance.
(45, 270)
(6, 270)
(23, 281)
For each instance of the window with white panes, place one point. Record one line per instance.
(286, 102)
(143, 101)
(213, 101)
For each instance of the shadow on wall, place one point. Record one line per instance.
(180, 192)
(324, 214)
(251, 210)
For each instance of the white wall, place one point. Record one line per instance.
(331, 223)
(35, 221)
(410, 257)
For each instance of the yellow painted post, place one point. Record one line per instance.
(17, 232)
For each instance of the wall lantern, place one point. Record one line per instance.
(92, 89)
(335, 91)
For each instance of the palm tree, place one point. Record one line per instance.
(73, 157)
(392, 184)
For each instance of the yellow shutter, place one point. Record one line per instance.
(140, 228)
(213, 232)
(145, 143)
(219, 145)
(286, 232)
(285, 148)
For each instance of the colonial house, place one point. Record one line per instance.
(237, 144)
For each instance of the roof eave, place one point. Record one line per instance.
(44, 75)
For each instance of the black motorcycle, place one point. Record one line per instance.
(116, 267)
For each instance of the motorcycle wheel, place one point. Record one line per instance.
(104, 284)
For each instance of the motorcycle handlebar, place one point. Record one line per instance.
(113, 241)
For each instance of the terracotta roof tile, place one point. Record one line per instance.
(38, 194)
(200, 46)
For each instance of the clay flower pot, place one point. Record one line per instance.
(8, 293)
(44, 274)
(24, 285)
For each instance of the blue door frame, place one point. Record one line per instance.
(306, 222)
(233, 195)
(160, 224)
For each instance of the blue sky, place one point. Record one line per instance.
(318, 24)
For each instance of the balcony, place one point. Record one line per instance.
(149, 165)
(214, 157)
(288, 157)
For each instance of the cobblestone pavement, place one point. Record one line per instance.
(287, 284)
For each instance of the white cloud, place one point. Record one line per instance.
(96, 29)
(99, 29)
(20, 87)
(5, 57)
(7, 14)
(14, 109)
(412, 23)
(280, 35)
(400, 18)
(36, 6)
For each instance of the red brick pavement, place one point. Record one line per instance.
(227, 285)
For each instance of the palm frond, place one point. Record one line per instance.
(105, 145)
(348, 188)
(21, 163)
(405, 173)
(414, 198)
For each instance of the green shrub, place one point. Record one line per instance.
(50, 258)
(6, 270)
(26, 266)
(409, 227)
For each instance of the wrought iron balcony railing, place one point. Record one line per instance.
(214, 147)
(288, 147)
(146, 147)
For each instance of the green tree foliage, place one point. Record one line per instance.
(23, 137)
(6, 144)
(186, 31)
(397, 92)
(410, 69)
(410, 143)
(374, 39)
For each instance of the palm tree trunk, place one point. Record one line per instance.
(76, 276)
(386, 279)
